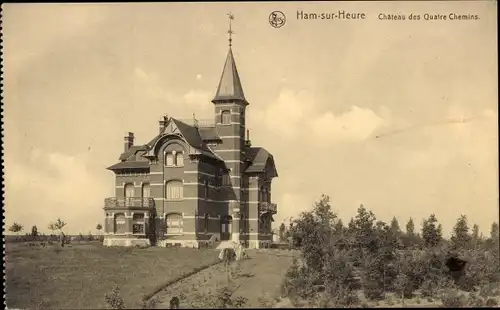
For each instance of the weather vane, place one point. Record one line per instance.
(230, 31)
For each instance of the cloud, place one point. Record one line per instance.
(149, 84)
(356, 124)
(53, 185)
(295, 113)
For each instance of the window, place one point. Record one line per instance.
(243, 223)
(146, 190)
(226, 117)
(179, 159)
(120, 223)
(174, 190)
(138, 225)
(169, 159)
(206, 189)
(174, 159)
(174, 223)
(129, 190)
(129, 193)
(206, 219)
(226, 180)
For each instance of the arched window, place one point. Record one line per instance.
(174, 190)
(146, 190)
(120, 223)
(169, 159)
(179, 159)
(138, 224)
(174, 223)
(226, 117)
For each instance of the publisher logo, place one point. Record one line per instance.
(277, 19)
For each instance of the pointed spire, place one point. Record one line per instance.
(230, 88)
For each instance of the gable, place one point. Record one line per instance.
(171, 128)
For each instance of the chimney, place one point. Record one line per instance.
(163, 123)
(129, 141)
(248, 143)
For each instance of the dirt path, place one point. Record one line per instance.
(258, 280)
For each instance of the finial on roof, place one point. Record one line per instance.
(195, 121)
(230, 31)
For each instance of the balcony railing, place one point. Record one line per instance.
(129, 202)
(268, 207)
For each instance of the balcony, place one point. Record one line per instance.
(129, 203)
(268, 207)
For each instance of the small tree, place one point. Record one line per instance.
(16, 228)
(431, 233)
(461, 238)
(58, 225)
(395, 225)
(98, 227)
(34, 232)
(494, 233)
(282, 232)
(114, 299)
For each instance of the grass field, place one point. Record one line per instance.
(258, 280)
(78, 276)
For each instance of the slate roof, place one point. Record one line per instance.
(132, 151)
(258, 157)
(209, 134)
(195, 137)
(136, 164)
(230, 84)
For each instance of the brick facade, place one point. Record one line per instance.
(194, 184)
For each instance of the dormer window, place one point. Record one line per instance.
(226, 117)
(226, 180)
(169, 159)
(174, 159)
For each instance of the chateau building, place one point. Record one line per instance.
(195, 181)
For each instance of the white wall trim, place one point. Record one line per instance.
(199, 172)
(229, 150)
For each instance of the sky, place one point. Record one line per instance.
(400, 116)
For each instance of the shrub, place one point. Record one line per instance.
(491, 302)
(452, 298)
(240, 302)
(114, 299)
(150, 303)
(475, 301)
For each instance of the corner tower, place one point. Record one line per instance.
(230, 106)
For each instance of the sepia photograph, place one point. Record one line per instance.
(307, 154)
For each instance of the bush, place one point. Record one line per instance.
(452, 298)
(475, 301)
(114, 299)
(150, 303)
(491, 302)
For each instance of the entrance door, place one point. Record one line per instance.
(226, 224)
